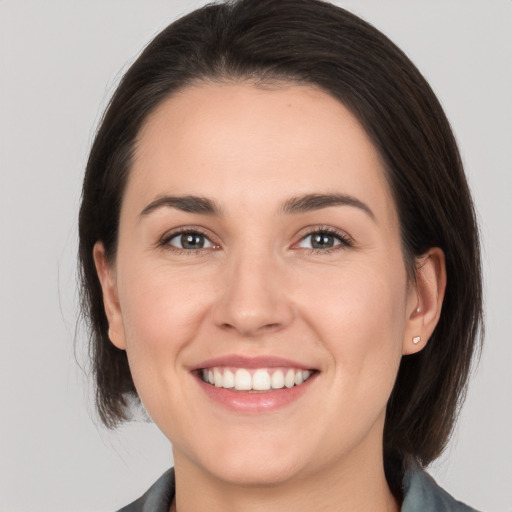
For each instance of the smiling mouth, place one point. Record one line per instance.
(254, 380)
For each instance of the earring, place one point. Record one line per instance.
(416, 339)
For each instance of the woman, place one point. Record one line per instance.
(280, 259)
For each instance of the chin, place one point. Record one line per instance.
(250, 460)
(261, 472)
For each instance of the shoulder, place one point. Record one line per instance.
(157, 498)
(421, 493)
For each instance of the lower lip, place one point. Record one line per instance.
(254, 403)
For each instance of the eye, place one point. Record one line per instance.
(323, 240)
(189, 241)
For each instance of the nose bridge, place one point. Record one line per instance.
(253, 299)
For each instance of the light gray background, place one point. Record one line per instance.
(59, 63)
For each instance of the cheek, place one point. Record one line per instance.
(359, 315)
(160, 305)
(161, 313)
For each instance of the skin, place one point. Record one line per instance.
(259, 289)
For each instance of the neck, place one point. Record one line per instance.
(356, 486)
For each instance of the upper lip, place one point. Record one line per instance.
(238, 361)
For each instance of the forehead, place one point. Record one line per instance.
(250, 144)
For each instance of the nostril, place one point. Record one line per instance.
(250, 330)
(270, 327)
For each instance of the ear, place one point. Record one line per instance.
(107, 277)
(425, 300)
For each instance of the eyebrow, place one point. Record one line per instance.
(311, 202)
(190, 204)
(301, 204)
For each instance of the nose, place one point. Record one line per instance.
(253, 298)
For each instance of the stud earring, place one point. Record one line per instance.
(416, 339)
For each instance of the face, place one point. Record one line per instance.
(259, 286)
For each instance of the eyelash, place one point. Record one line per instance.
(166, 239)
(345, 241)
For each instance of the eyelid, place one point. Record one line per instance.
(164, 240)
(345, 241)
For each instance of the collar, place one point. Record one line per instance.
(421, 493)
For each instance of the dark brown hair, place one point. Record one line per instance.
(308, 42)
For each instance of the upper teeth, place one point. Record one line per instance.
(261, 379)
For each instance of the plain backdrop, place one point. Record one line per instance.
(59, 64)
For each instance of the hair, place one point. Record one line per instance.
(315, 43)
